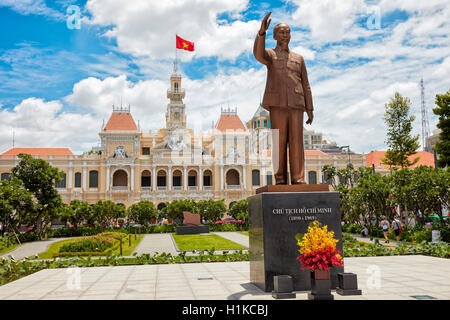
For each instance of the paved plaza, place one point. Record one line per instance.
(380, 278)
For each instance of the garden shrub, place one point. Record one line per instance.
(93, 244)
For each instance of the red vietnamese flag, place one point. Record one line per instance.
(183, 44)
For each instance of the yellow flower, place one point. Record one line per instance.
(316, 238)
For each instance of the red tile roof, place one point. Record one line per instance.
(121, 122)
(314, 153)
(426, 159)
(230, 122)
(40, 151)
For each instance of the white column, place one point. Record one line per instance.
(84, 176)
(185, 178)
(70, 184)
(132, 177)
(170, 178)
(244, 176)
(107, 178)
(264, 177)
(320, 172)
(221, 177)
(200, 181)
(154, 178)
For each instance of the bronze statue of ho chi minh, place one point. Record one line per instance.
(287, 96)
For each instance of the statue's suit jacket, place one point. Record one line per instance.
(287, 80)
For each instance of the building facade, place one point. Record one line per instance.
(229, 162)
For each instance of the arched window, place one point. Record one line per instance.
(255, 178)
(77, 179)
(93, 179)
(145, 179)
(61, 183)
(120, 179)
(207, 178)
(312, 177)
(161, 206)
(161, 178)
(232, 178)
(6, 176)
(175, 86)
(176, 178)
(192, 178)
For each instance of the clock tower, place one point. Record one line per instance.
(175, 114)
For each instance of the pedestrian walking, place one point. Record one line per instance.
(385, 226)
(397, 225)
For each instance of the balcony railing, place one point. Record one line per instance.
(234, 186)
(192, 187)
(207, 187)
(120, 188)
(177, 187)
(146, 188)
(162, 187)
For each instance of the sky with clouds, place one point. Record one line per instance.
(63, 63)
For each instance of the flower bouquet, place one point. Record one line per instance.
(318, 253)
(318, 249)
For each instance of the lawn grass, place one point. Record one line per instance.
(245, 233)
(54, 248)
(126, 249)
(191, 242)
(4, 250)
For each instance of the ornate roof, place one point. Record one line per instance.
(120, 120)
(40, 151)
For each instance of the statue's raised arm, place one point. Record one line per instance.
(259, 47)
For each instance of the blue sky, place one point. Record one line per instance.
(57, 84)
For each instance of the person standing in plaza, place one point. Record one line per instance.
(385, 226)
(397, 226)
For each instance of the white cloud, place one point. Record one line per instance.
(39, 123)
(148, 28)
(27, 7)
(149, 102)
(328, 20)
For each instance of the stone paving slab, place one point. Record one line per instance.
(156, 242)
(380, 278)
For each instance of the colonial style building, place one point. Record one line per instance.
(228, 162)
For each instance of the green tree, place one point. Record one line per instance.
(239, 210)
(16, 204)
(401, 144)
(175, 208)
(39, 178)
(373, 193)
(142, 212)
(211, 210)
(429, 191)
(106, 212)
(77, 212)
(443, 111)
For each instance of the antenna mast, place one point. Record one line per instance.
(425, 125)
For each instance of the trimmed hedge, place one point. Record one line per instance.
(105, 242)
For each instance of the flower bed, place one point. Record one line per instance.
(98, 245)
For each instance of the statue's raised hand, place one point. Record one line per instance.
(265, 24)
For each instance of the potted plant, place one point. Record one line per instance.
(318, 254)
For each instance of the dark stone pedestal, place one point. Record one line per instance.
(192, 229)
(283, 287)
(348, 284)
(312, 296)
(274, 220)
